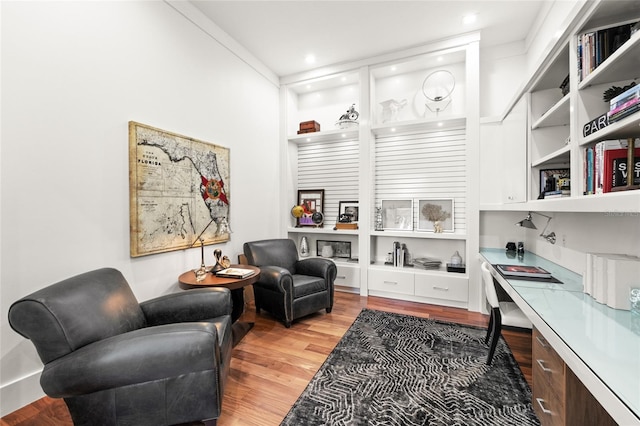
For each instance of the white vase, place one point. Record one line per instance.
(304, 247)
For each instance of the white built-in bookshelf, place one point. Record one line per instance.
(555, 122)
(417, 155)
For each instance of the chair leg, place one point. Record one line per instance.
(497, 327)
(489, 327)
(328, 310)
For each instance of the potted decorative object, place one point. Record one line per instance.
(435, 214)
(348, 119)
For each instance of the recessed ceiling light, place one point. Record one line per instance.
(308, 86)
(440, 124)
(470, 18)
(393, 68)
(393, 129)
(310, 58)
(308, 139)
(440, 59)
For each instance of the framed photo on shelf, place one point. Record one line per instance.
(341, 249)
(555, 181)
(348, 212)
(312, 202)
(436, 210)
(397, 215)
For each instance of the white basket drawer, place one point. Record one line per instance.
(442, 287)
(391, 281)
(348, 276)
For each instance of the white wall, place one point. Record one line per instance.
(576, 233)
(73, 75)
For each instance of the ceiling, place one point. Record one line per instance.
(282, 33)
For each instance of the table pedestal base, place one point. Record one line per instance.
(239, 329)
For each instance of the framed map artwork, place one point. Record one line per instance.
(178, 191)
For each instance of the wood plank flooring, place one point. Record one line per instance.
(272, 365)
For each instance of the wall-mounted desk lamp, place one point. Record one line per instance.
(527, 222)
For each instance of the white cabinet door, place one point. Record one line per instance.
(348, 276)
(514, 154)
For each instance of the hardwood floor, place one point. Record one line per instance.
(272, 365)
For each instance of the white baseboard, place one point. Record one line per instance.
(19, 393)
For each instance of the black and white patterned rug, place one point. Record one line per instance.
(391, 369)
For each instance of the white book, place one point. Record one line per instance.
(623, 272)
(587, 280)
(600, 279)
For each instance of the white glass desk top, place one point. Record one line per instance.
(607, 340)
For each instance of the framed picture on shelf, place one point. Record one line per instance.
(556, 182)
(397, 215)
(348, 212)
(312, 202)
(436, 215)
(340, 249)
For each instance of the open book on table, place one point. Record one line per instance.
(235, 273)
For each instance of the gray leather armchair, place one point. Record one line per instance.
(119, 362)
(290, 288)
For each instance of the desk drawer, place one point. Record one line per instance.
(549, 408)
(549, 384)
(348, 276)
(548, 363)
(442, 287)
(391, 281)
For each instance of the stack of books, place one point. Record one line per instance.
(608, 278)
(606, 166)
(596, 46)
(624, 104)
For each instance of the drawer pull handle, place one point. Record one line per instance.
(341, 277)
(390, 282)
(541, 364)
(542, 342)
(540, 402)
(440, 288)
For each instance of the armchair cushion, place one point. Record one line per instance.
(138, 356)
(305, 285)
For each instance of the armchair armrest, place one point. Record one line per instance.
(188, 306)
(317, 267)
(139, 356)
(276, 278)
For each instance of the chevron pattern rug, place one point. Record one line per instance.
(392, 369)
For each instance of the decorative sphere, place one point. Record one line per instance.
(317, 218)
(297, 211)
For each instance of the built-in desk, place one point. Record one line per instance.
(599, 344)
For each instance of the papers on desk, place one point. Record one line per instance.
(523, 271)
(235, 273)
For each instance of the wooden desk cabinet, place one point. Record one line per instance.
(559, 397)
